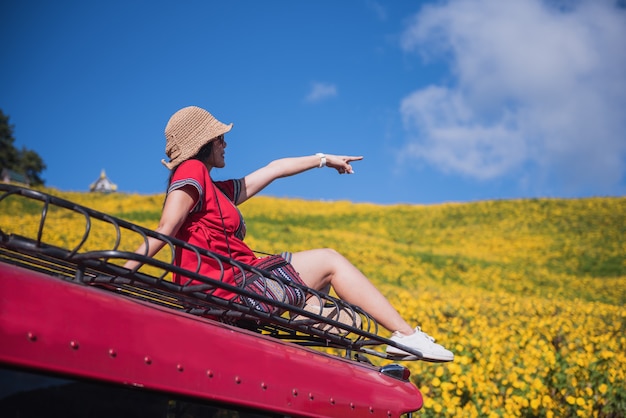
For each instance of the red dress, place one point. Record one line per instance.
(216, 224)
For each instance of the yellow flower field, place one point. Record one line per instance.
(529, 294)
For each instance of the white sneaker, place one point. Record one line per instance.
(420, 342)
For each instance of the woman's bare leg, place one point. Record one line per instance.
(322, 267)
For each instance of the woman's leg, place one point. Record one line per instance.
(322, 267)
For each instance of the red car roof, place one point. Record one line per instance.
(137, 330)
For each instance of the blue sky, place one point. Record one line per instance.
(447, 101)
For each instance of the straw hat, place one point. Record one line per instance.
(187, 131)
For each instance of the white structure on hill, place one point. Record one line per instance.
(103, 184)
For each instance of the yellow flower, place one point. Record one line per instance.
(537, 384)
(535, 403)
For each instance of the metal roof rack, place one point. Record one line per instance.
(97, 264)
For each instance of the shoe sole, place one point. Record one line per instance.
(403, 356)
(395, 357)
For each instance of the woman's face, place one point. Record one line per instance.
(217, 156)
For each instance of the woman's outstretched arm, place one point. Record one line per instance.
(285, 167)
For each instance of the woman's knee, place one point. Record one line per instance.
(329, 252)
(321, 262)
(320, 254)
(332, 258)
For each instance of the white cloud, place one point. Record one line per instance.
(321, 91)
(533, 85)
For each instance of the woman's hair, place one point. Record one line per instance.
(205, 152)
(203, 155)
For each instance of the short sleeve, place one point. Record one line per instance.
(191, 173)
(231, 188)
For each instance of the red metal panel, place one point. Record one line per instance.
(46, 323)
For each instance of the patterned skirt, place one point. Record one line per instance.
(278, 286)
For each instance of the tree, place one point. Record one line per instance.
(31, 165)
(8, 153)
(26, 162)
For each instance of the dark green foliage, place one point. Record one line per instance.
(24, 162)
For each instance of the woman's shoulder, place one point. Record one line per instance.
(190, 172)
(192, 166)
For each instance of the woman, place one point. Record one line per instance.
(204, 213)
